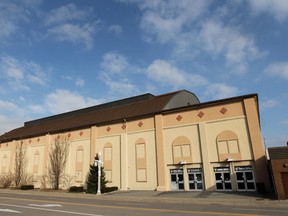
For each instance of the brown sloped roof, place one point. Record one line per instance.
(97, 115)
(278, 153)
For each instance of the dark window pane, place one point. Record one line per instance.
(173, 178)
(226, 176)
(199, 186)
(199, 177)
(228, 186)
(249, 176)
(251, 185)
(191, 186)
(219, 186)
(181, 186)
(218, 176)
(180, 177)
(241, 186)
(239, 176)
(191, 177)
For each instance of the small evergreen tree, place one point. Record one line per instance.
(92, 180)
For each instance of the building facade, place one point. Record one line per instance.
(168, 142)
(279, 170)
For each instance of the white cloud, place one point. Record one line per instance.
(78, 34)
(166, 19)
(11, 15)
(79, 82)
(19, 74)
(63, 100)
(277, 8)
(278, 69)
(67, 24)
(8, 106)
(121, 86)
(66, 13)
(116, 29)
(37, 108)
(180, 23)
(117, 74)
(114, 63)
(268, 104)
(220, 91)
(9, 123)
(165, 73)
(237, 49)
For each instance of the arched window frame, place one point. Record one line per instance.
(79, 164)
(4, 164)
(36, 166)
(141, 160)
(107, 159)
(181, 150)
(228, 147)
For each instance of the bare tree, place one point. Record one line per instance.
(58, 157)
(6, 180)
(20, 164)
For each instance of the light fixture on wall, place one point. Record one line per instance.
(229, 159)
(182, 162)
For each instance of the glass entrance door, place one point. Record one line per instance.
(223, 179)
(177, 179)
(245, 178)
(195, 178)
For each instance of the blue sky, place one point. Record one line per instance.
(57, 56)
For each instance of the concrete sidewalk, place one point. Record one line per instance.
(203, 197)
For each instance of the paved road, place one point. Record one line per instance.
(38, 205)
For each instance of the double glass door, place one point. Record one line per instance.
(195, 178)
(177, 179)
(223, 179)
(245, 178)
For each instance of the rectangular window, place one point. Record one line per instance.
(140, 149)
(177, 151)
(186, 150)
(141, 174)
(79, 156)
(233, 146)
(222, 147)
(108, 154)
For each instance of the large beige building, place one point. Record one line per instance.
(166, 142)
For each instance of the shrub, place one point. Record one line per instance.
(109, 189)
(27, 187)
(76, 189)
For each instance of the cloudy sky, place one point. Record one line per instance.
(57, 56)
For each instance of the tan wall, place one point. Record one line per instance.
(116, 158)
(148, 162)
(191, 132)
(238, 126)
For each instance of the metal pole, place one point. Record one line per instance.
(99, 174)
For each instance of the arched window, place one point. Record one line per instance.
(4, 163)
(228, 146)
(79, 164)
(181, 150)
(141, 160)
(108, 161)
(36, 165)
